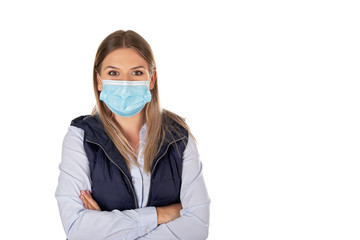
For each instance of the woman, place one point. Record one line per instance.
(130, 170)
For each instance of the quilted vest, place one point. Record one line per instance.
(111, 183)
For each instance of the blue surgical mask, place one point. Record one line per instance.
(125, 98)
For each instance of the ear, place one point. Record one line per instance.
(152, 80)
(99, 82)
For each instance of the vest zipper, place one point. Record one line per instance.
(132, 189)
(156, 162)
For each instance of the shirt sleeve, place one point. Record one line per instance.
(80, 223)
(193, 223)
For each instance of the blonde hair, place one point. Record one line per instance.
(156, 118)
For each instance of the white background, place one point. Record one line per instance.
(270, 90)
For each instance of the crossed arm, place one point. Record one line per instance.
(82, 218)
(164, 214)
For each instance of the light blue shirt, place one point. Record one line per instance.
(141, 223)
(141, 179)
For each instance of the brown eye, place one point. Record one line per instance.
(137, 73)
(113, 73)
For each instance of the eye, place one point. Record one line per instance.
(113, 73)
(137, 73)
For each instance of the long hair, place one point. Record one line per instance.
(154, 116)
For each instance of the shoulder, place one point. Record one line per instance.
(75, 132)
(91, 120)
(92, 126)
(89, 123)
(73, 140)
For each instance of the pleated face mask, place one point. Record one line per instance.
(125, 98)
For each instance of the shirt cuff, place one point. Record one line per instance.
(148, 220)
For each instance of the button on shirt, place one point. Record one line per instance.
(141, 223)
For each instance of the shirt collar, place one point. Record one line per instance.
(143, 131)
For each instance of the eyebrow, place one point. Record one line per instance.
(138, 67)
(130, 68)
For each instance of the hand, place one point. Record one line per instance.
(168, 213)
(88, 201)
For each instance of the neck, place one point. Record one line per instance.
(131, 127)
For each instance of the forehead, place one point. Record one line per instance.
(124, 58)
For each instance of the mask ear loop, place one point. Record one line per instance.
(98, 74)
(149, 76)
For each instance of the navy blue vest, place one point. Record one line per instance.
(111, 183)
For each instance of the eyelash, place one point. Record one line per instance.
(136, 73)
(116, 73)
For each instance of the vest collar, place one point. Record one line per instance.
(95, 133)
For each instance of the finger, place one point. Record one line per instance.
(91, 201)
(86, 203)
(82, 197)
(86, 197)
